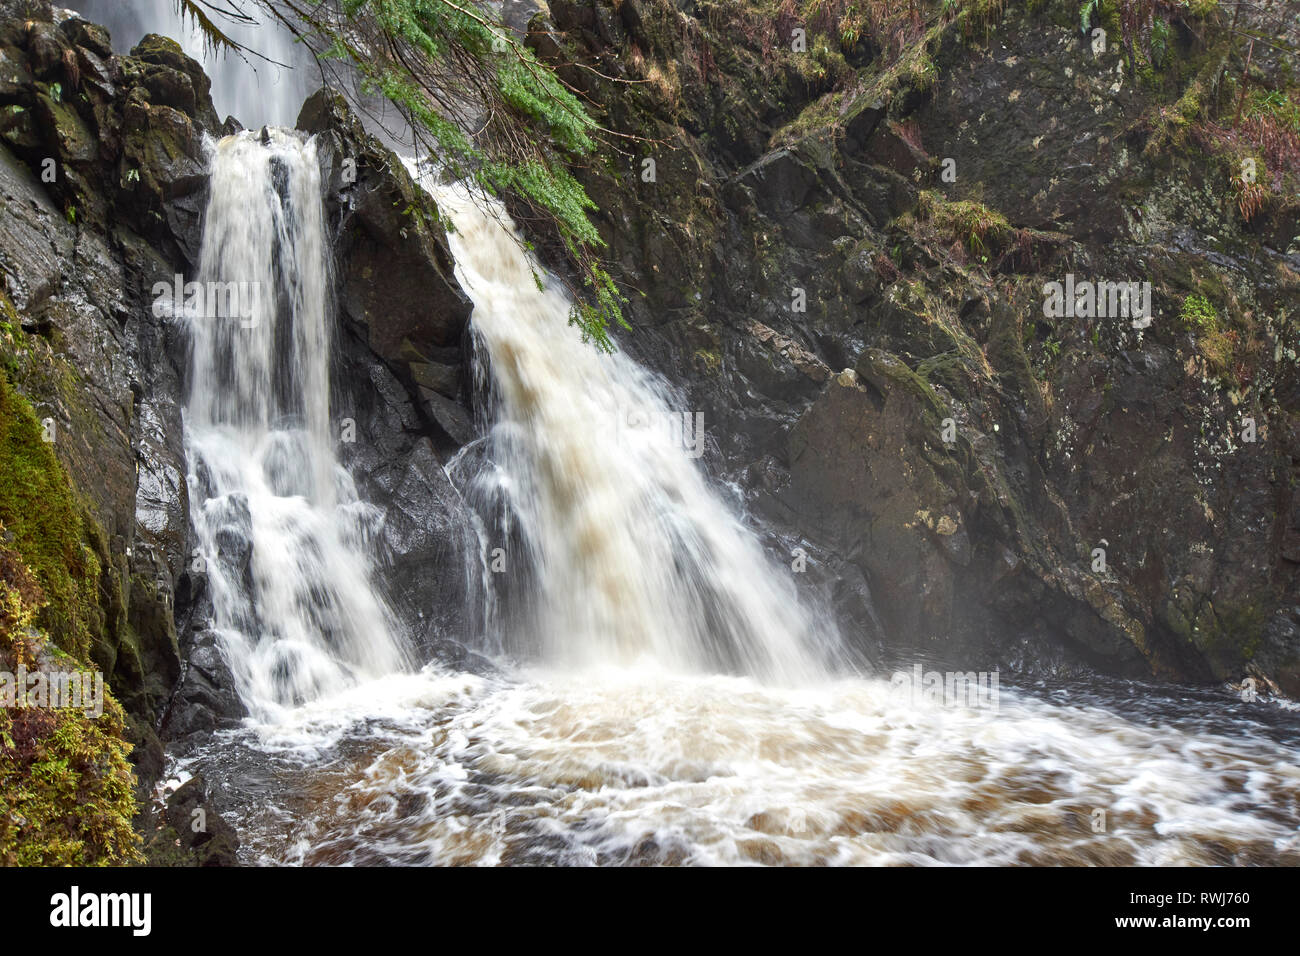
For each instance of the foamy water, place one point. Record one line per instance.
(623, 766)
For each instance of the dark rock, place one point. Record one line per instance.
(91, 36)
(387, 226)
(980, 545)
(199, 828)
(426, 537)
(178, 77)
(443, 379)
(207, 698)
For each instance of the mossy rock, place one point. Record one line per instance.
(950, 369)
(66, 789)
(42, 515)
(888, 372)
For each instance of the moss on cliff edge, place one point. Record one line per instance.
(66, 789)
(39, 509)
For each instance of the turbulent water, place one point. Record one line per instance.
(658, 694)
(641, 766)
(282, 534)
(629, 555)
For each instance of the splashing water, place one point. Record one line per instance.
(280, 527)
(632, 766)
(629, 553)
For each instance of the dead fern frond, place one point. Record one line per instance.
(214, 39)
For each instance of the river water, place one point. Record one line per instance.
(639, 766)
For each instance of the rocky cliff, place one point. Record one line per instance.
(102, 176)
(836, 225)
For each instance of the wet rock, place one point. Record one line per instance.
(781, 182)
(426, 537)
(451, 418)
(102, 183)
(457, 656)
(200, 830)
(174, 79)
(395, 269)
(234, 536)
(91, 37)
(890, 147)
(443, 379)
(980, 545)
(207, 698)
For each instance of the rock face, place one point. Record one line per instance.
(102, 176)
(841, 260)
(103, 179)
(397, 291)
(402, 368)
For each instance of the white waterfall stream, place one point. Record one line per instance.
(631, 554)
(281, 530)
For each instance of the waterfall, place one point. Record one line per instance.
(268, 88)
(624, 584)
(280, 527)
(590, 480)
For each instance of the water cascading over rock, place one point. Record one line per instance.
(590, 472)
(280, 527)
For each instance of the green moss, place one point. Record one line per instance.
(923, 72)
(9, 324)
(66, 789)
(66, 795)
(1230, 633)
(950, 369)
(1169, 125)
(39, 509)
(888, 372)
(1006, 353)
(12, 337)
(1216, 343)
(1198, 314)
(708, 360)
(821, 113)
(980, 229)
(1277, 106)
